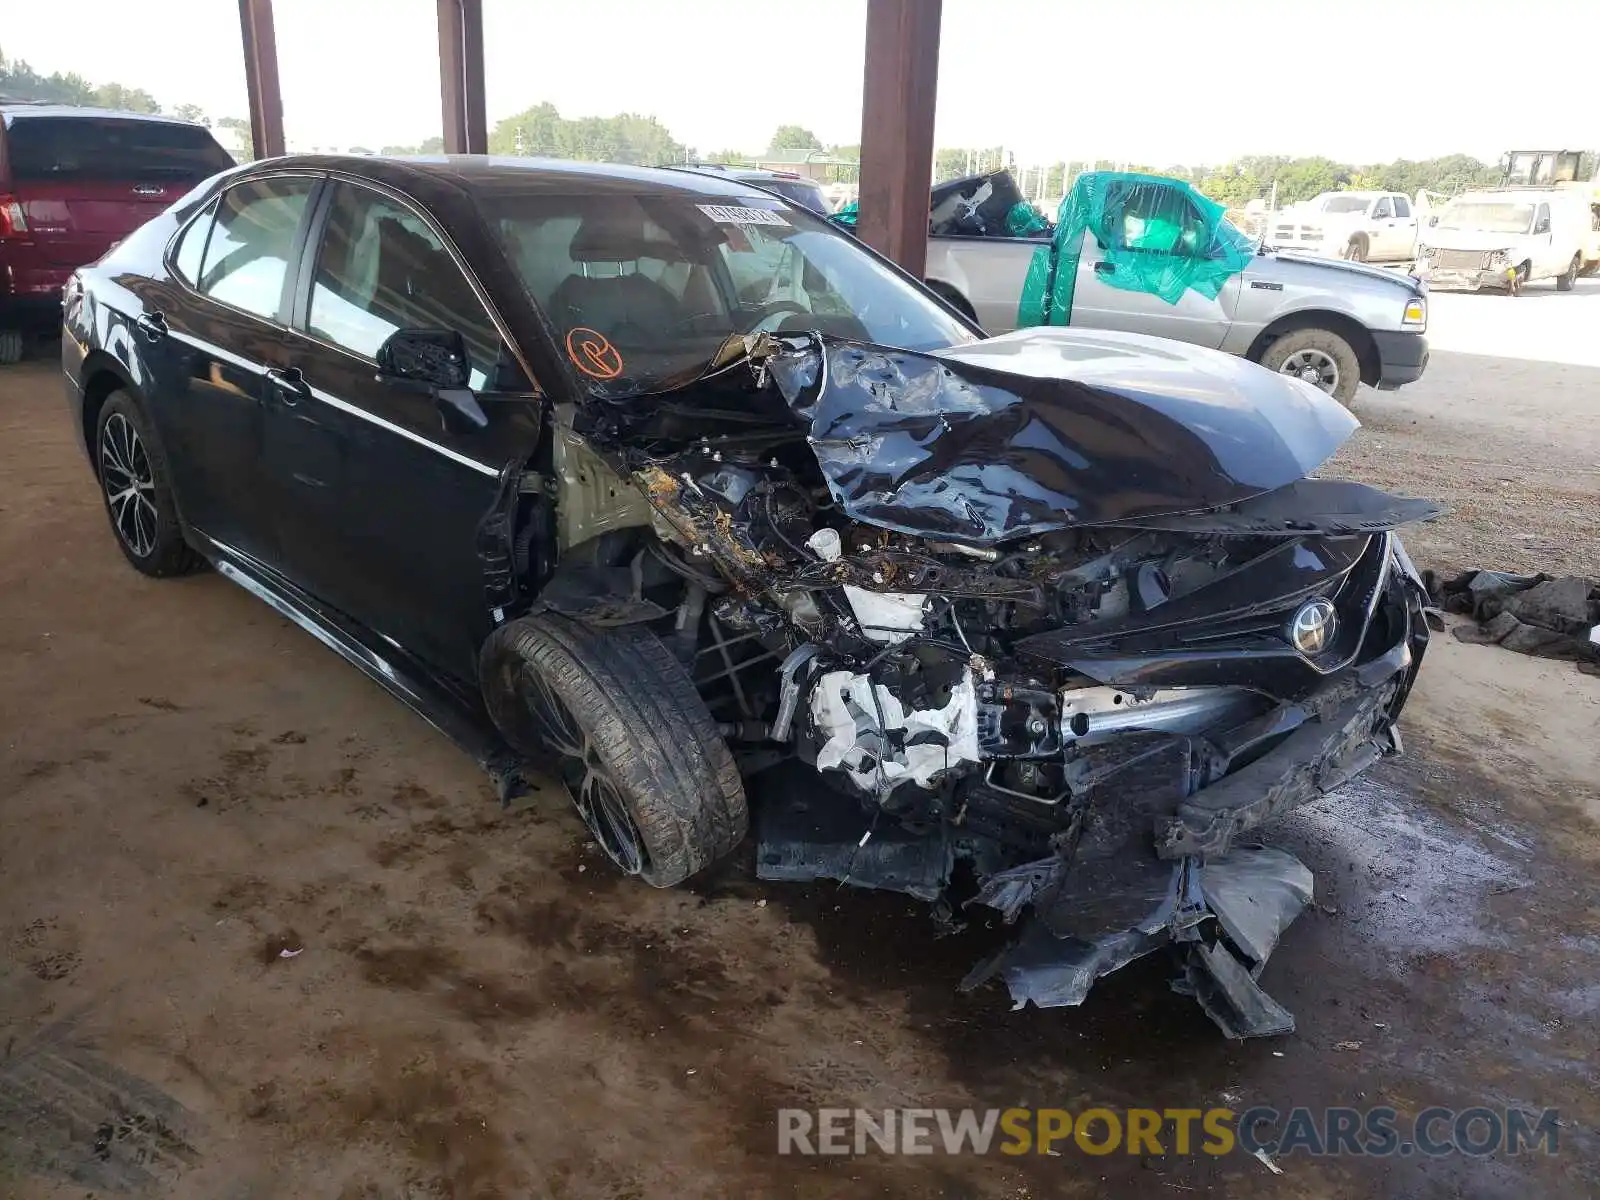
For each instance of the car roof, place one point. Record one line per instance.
(736, 171)
(488, 172)
(11, 109)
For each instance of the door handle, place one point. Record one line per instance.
(153, 325)
(290, 384)
(1105, 268)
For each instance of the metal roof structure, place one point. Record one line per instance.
(899, 89)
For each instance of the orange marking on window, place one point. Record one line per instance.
(592, 354)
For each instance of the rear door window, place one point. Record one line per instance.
(247, 257)
(43, 149)
(1401, 207)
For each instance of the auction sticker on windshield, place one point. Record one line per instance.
(730, 214)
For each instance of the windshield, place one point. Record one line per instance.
(644, 290)
(1342, 204)
(1487, 217)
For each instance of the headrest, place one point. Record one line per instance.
(620, 237)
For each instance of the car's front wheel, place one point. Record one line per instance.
(138, 491)
(1320, 357)
(619, 720)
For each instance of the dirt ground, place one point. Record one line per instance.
(265, 934)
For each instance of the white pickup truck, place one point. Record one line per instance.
(1358, 226)
(1334, 324)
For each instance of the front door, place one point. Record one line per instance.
(1146, 235)
(378, 503)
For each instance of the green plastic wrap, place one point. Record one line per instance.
(846, 215)
(1024, 220)
(1159, 235)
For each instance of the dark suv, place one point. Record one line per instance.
(73, 182)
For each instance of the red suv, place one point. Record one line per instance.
(73, 182)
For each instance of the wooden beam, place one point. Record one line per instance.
(898, 96)
(261, 77)
(466, 129)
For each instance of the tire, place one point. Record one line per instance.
(1314, 348)
(1519, 279)
(11, 342)
(136, 487)
(1569, 280)
(953, 298)
(632, 740)
(1356, 251)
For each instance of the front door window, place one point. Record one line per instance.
(383, 268)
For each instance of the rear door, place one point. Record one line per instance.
(212, 337)
(84, 183)
(377, 503)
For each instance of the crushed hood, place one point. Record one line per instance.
(1044, 429)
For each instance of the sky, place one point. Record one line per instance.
(1356, 80)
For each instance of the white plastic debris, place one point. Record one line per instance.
(1266, 1161)
(1347, 1045)
(288, 953)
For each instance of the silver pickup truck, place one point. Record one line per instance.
(1334, 324)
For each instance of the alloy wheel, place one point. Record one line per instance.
(129, 485)
(589, 781)
(1313, 366)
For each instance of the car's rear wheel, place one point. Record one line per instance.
(11, 344)
(1318, 356)
(1566, 282)
(629, 736)
(138, 493)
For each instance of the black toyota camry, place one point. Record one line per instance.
(658, 484)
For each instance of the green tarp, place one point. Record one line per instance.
(1157, 235)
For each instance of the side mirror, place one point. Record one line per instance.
(435, 357)
(1434, 219)
(435, 360)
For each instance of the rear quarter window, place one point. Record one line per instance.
(191, 247)
(42, 149)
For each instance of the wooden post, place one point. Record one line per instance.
(466, 129)
(261, 77)
(898, 96)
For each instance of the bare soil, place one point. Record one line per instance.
(265, 934)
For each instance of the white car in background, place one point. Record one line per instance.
(1358, 226)
(1505, 239)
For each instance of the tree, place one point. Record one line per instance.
(238, 129)
(124, 99)
(625, 138)
(19, 81)
(192, 112)
(1304, 178)
(794, 137)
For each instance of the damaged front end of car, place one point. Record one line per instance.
(1055, 621)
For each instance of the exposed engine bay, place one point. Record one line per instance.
(1048, 624)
